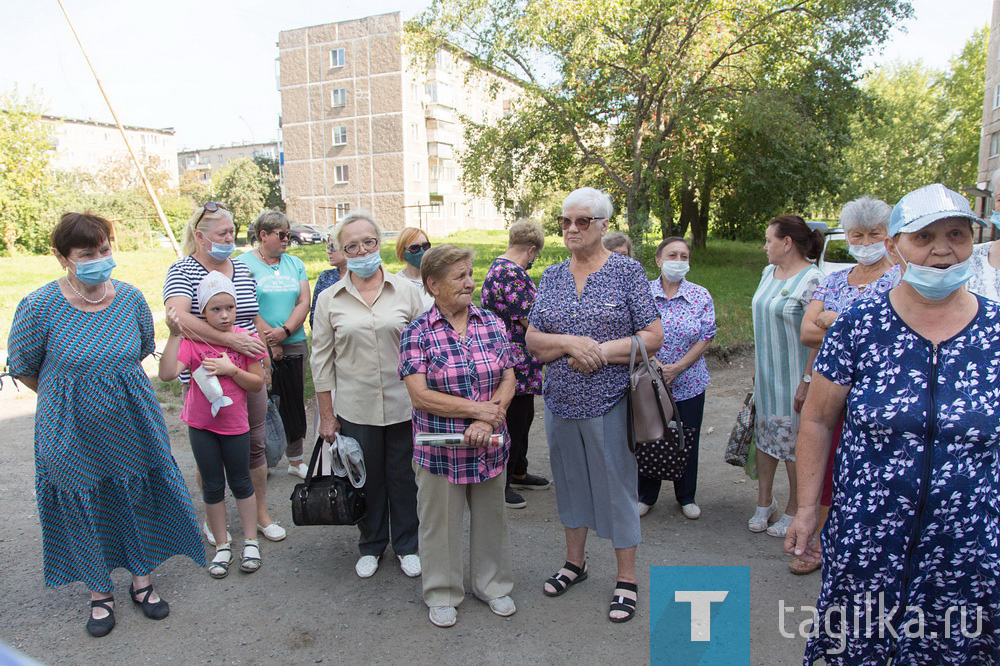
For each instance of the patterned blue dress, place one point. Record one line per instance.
(915, 519)
(109, 492)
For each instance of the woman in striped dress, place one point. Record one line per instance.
(109, 492)
(782, 368)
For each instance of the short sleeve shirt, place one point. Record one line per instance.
(688, 318)
(326, 279)
(278, 289)
(986, 280)
(615, 303)
(509, 293)
(470, 368)
(837, 295)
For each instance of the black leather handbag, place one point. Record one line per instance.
(326, 500)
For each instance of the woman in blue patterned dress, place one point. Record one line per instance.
(329, 277)
(911, 560)
(586, 311)
(780, 360)
(109, 492)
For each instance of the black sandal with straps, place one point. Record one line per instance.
(623, 604)
(103, 626)
(560, 582)
(154, 611)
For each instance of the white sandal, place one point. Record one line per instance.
(250, 559)
(219, 566)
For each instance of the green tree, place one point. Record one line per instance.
(25, 178)
(270, 168)
(243, 187)
(962, 99)
(615, 81)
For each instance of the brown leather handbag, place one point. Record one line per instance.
(651, 405)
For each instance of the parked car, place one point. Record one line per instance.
(835, 251)
(322, 231)
(300, 234)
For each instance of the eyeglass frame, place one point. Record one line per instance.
(283, 234)
(416, 247)
(566, 222)
(215, 206)
(365, 244)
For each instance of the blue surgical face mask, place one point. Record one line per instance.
(937, 283)
(414, 258)
(995, 218)
(94, 271)
(674, 271)
(364, 266)
(221, 251)
(867, 254)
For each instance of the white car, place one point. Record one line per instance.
(836, 234)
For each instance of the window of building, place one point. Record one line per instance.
(415, 93)
(995, 144)
(482, 210)
(340, 211)
(454, 210)
(340, 135)
(449, 174)
(436, 211)
(444, 61)
(414, 131)
(418, 172)
(996, 97)
(337, 57)
(338, 97)
(435, 173)
(340, 173)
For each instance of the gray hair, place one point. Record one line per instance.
(865, 213)
(354, 215)
(596, 202)
(615, 239)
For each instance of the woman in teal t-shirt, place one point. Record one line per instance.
(283, 295)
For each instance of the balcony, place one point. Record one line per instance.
(442, 150)
(439, 113)
(440, 187)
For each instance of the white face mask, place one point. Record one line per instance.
(868, 254)
(674, 271)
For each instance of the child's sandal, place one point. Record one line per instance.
(250, 559)
(219, 566)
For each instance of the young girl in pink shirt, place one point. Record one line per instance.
(218, 425)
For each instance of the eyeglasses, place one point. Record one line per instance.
(353, 249)
(582, 223)
(282, 234)
(210, 207)
(417, 247)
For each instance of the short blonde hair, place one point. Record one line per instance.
(354, 215)
(439, 259)
(207, 218)
(406, 237)
(526, 232)
(270, 220)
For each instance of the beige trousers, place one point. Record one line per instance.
(441, 507)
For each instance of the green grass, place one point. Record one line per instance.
(729, 270)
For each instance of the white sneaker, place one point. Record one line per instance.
(301, 470)
(644, 509)
(502, 606)
(273, 532)
(366, 566)
(410, 564)
(691, 511)
(211, 537)
(443, 616)
(758, 523)
(780, 527)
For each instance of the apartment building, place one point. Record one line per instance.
(362, 125)
(88, 145)
(204, 161)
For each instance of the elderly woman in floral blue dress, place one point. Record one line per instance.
(911, 559)
(586, 311)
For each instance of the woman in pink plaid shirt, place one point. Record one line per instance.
(456, 364)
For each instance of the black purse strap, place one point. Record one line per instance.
(313, 472)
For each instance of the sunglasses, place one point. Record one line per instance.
(417, 247)
(210, 207)
(282, 235)
(582, 223)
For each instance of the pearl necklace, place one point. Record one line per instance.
(78, 293)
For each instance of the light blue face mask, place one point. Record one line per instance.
(937, 283)
(995, 218)
(94, 271)
(221, 251)
(365, 266)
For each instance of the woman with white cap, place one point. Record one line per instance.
(912, 531)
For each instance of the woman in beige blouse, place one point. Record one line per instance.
(355, 356)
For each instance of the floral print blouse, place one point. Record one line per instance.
(837, 295)
(688, 318)
(509, 293)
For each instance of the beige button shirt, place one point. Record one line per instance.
(355, 350)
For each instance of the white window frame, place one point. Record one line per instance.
(435, 172)
(338, 58)
(340, 210)
(341, 174)
(418, 174)
(334, 95)
(338, 136)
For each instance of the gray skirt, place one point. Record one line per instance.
(595, 474)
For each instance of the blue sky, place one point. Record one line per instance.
(206, 67)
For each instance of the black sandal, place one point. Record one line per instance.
(560, 582)
(103, 626)
(154, 611)
(623, 604)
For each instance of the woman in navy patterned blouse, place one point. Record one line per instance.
(586, 311)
